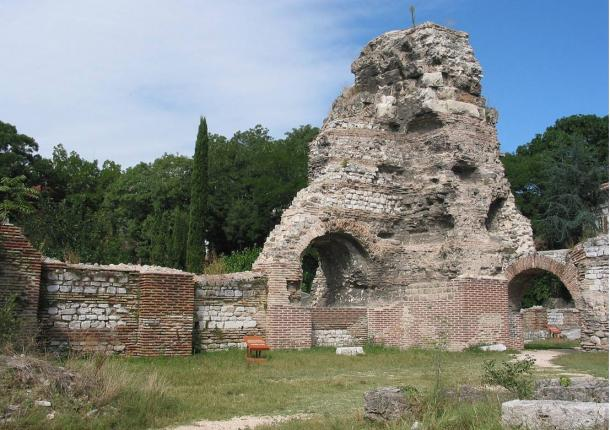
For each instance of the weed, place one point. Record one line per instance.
(516, 375)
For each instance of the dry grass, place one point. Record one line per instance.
(142, 393)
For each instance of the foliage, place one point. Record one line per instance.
(556, 177)
(195, 247)
(516, 375)
(15, 197)
(552, 343)
(543, 287)
(9, 323)
(17, 153)
(237, 261)
(309, 264)
(241, 261)
(565, 381)
(106, 214)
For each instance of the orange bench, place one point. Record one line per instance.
(254, 346)
(554, 331)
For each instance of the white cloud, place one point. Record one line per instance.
(127, 81)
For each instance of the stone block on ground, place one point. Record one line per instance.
(498, 347)
(350, 350)
(586, 389)
(554, 414)
(385, 404)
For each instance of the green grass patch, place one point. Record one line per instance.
(552, 344)
(164, 391)
(593, 363)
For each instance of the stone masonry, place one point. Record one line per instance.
(229, 307)
(406, 190)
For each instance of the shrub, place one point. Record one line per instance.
(9, 323)
(515, 376)
(241, 261)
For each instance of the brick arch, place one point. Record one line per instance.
(566, 272)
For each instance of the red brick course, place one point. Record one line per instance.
(20, 275)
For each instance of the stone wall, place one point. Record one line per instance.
(339, 326)
(591, 260)
(116, 309)
(88, 309)
(229, 307)
(537, 318)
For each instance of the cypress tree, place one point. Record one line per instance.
(179, 239)
(195, 248)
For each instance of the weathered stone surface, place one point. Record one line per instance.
(385, 404)
(554, 414)
(350, 350)
(579, 389)
(498, 347)
(406, 189)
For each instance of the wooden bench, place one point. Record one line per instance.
(254, 347)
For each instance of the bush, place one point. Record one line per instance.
(9, 323)
(242, 261)
(515, 376)
(237, 261)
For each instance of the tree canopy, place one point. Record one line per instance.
(556, 179)
(107, 214)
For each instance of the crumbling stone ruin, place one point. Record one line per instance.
(417, 233)
(407, 192)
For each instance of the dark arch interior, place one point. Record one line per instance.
(340, 266)
(538, 287)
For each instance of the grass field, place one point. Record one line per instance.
(552, 344)
(140, 393)
(593, 363)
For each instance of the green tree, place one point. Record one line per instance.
(17, 153)
(556, 176)
(15, 197)
(195, 250)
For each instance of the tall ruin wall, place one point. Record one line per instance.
(407, 194)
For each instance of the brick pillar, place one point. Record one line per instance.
(166, 314)
(20, 267)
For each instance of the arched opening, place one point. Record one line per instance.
(543, 302)
(335, 271)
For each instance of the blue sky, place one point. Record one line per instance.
(127, 81)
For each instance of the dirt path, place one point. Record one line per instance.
(240, 423)
(544, 357)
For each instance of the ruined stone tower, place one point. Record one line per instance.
(406, 190)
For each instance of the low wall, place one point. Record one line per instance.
(461, 313)
(536, 319)
(339, 326)
(116, 309)
(229, 307)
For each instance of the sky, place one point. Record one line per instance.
(128, 80)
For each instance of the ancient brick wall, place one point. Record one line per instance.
(91, 308)
(165, 326)
(537, 318)
(289, 326)
(339, 326)
(535, 322)
(20, 275)
(227, 308)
